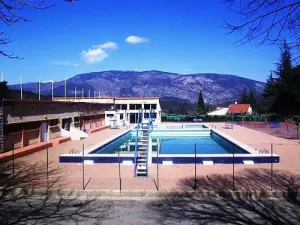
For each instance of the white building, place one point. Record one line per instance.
(220, 111)
(121, 111)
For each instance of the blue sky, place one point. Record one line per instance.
(183, 36)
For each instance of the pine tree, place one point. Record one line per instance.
(284, 67)
(252, 99)
(244, 97)
(281, 93)
(201, 106)
(270, 93)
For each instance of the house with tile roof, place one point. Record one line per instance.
(244, 109)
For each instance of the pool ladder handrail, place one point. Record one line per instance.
(150, 129)
(136, 141)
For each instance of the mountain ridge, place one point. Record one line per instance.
(216, 88)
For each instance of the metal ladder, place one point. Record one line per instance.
(142, 145)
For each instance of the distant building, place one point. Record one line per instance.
(220, 111)
(125, 109)
(239, 109)
(35, 124)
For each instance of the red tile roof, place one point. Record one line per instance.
(238, 108)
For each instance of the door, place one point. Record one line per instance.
(44, 134)
(132, 118)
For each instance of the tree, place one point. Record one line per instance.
(207, 108)
(4, 91)
(11, 14)
(201, 106)
(244, 97)
(281, 93)
(268, 21)
(270, 93)
(252, 100)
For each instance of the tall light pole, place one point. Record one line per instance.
(52, 87)
(65, 89)
(39, 89)
(21, 88)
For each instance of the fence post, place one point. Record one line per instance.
(83, 165)
(195, 160)
(120, 182)
(233, 177)
(13, 166)
(47, 152)
(271, 166)
(157, 170)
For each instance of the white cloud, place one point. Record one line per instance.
(106, 45)
(65, 63)
(97, 53)
(136, 40)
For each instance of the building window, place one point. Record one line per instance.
(132, 107)
(124, 107)
(55, 122)
(138, 106)
(110, 115)
(121, 116)
(147, 106)
(153, 106)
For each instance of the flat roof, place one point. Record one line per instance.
(44, 101)
(109, 97)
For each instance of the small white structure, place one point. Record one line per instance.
(122, 111)
(220, 111)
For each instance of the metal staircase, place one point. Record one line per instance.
(143, 131)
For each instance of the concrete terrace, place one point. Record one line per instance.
(175, 177)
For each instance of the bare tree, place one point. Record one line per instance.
(11, 13)
(269, 21)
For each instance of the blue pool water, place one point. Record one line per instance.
(203, 145)
(209, 144)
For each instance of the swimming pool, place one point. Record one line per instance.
(209, 143)
(179, 143)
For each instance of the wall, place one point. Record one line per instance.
(13, 140)
(31, 137)
(92, 122)
(54, 132)
(28, 111)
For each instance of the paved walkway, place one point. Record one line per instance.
(185, 211)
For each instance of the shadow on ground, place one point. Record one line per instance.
(24, 207)
(230, 208)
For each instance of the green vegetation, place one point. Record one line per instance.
(282, 92)
(4, 91)
(190, 117)
(249, 98)
(201, 106)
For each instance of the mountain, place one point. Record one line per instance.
(216, 88)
